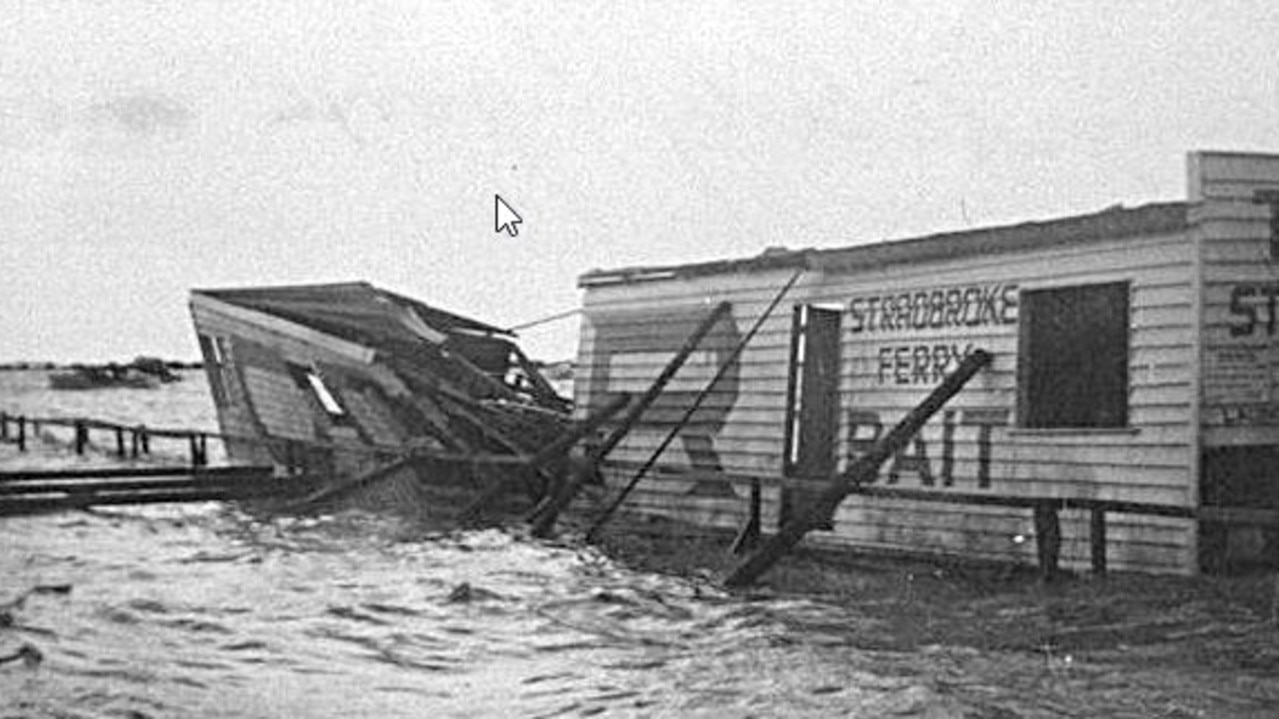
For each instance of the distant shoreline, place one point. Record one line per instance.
(37, 365)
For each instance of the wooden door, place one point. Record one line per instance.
(812, 412)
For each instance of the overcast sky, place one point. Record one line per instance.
(148, 148)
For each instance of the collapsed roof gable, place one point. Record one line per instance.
(356, 311)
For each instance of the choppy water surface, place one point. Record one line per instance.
(204, 611)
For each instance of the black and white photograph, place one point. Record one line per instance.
(512, 358)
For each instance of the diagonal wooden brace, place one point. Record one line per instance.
(862, 471)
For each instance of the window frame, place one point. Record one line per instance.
(311, 380)
(1109, 391)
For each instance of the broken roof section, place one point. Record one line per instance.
(1109, 224)
(359, 312)
(366, 322)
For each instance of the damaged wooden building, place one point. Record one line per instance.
(1134, 382)
(348, 382)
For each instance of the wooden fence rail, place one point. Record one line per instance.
(13, 429)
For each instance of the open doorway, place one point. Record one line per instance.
(812, 402)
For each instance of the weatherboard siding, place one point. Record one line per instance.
(1150, 460)
(273, 404)
(1240, 279)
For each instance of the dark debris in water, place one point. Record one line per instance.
(353, 615)
(249, 645)
(466, 592)
(28, 654)
(20, 601)
(391, 609)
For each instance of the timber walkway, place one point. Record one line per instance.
(38, 491)
(35, 492)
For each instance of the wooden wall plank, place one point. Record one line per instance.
(1149, 463)
(1240, 337)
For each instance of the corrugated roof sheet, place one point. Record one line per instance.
(356, 311)
(1109, 224)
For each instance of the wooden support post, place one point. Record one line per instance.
(748, 537)
(81, 436)
(544, 516)
(1098, 541)
(497, 386)
(692, 408)
(4, 427)
(133, 443)
(542, 390)
(22, 433)
(655, 390)
(574, 434)
(146, 439)
(119, 441)
(195, 450)
(557, 448)
(1048, 539)
(292, 457)
(862, 471)
(204, 449)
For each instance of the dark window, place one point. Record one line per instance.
(1073, 367)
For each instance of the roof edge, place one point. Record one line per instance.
(1115, 222)
(202, 302)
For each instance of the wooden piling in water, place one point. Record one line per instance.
(81, 436)
(557, 448)
(22, 433)
(862, 471)
(119, 441)
(1048, 539)
(748, 538)
(1098, 540)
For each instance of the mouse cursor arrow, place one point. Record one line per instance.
(504, 217)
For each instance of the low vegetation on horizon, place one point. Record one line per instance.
(45, 365)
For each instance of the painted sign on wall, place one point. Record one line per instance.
(951, 310)
(1241, 381)
(931, 464)
(632, 348)
(1236, 375)
(1252, 308)
(921, 363)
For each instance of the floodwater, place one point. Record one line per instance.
(205, 611)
